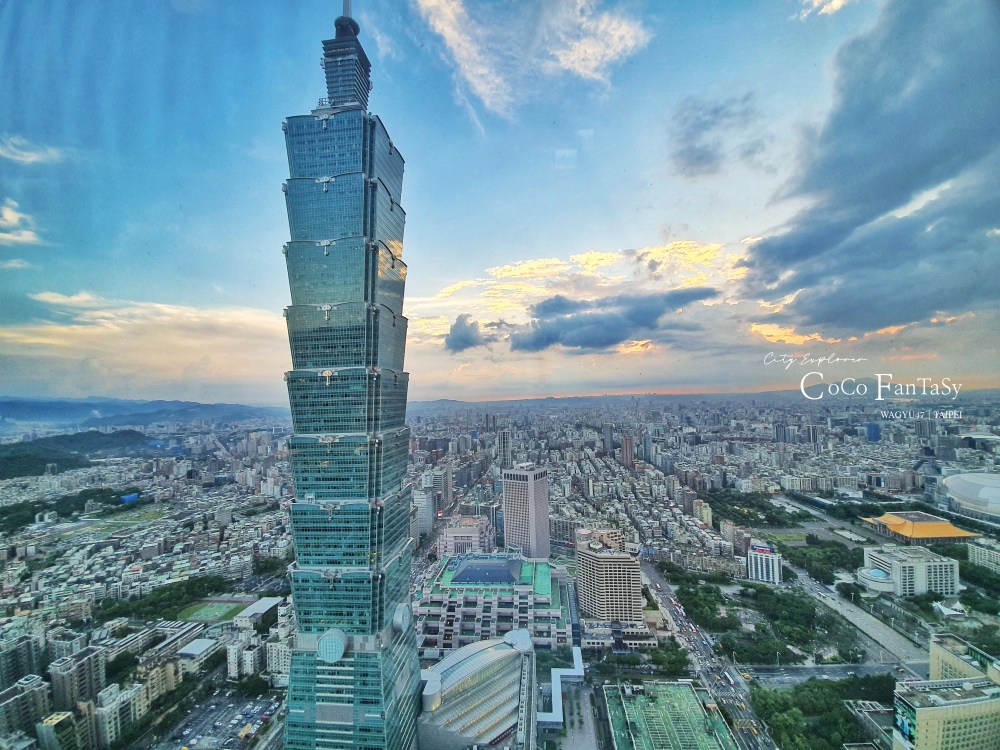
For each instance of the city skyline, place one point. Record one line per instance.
(633, 198)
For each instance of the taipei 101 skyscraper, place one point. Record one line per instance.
(354, 670)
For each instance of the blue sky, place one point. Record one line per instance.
(601, 197)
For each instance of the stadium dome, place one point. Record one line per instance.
(975, 494)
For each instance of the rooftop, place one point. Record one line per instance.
(908, 554)
(197, 647)
(261, 606)
(919, 525)
(963, 649)
(942, 693)
(496, 572)
(666, 716)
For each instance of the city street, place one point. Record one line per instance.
(725, 683)
(893, 642)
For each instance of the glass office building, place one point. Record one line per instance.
(354, 676)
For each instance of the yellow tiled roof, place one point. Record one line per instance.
(923, 530)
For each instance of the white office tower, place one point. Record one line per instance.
(526, 510)
(441, 480)
(608, 582)
(763, 564)
(423, 499)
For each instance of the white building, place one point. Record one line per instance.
(526, 510)
(238, 665)
(908, 571)
(467, 534)
(423, 500)
(279, 662)
(609, 585)
(194, 655)
(763, 564)
(442, 482)
(985, 552)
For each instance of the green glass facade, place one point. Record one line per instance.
(354, 675)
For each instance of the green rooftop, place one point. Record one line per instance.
(665, 716)
(496, 572)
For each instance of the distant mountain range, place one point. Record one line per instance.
(782, 396)
(100, 412)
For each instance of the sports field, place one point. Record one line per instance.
(786, 536)
(211, 611)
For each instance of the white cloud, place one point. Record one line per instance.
(16, 228)
(146, 349)
(590, 42)
(82, 299)
(822, 7)
(450, 20)
(14, 264)
(19, 149)
(497, 50)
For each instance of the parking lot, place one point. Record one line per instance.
(223, 720)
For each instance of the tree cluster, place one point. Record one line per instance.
(752, 508)
(822, 557)
(677, 575)
(812, 715)
(671, 659)
(701, 605)
(270, 566)
(164, 602)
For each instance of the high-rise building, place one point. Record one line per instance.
(526, 510)
(24, 704)
(19, 657)
(763, 564)
(62, 731)
(957, 707)
(505, 449)
(628, 451)
(79, 677)
(609, 585)
(444, 486)
(608, 439)
(354, 675)
(64, 642)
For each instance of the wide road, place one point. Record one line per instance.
(895, 643)
(725, 682)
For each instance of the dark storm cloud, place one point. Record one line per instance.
(698, 145)
(944, 258)
(916, 106)
(558, 305)
(593, 325)
(465, 334)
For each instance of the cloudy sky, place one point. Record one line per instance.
(602, 197)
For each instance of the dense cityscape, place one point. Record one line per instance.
(738, 554)
(772, 570)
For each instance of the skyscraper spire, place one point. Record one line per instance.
(348, 71)
(354, 671)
